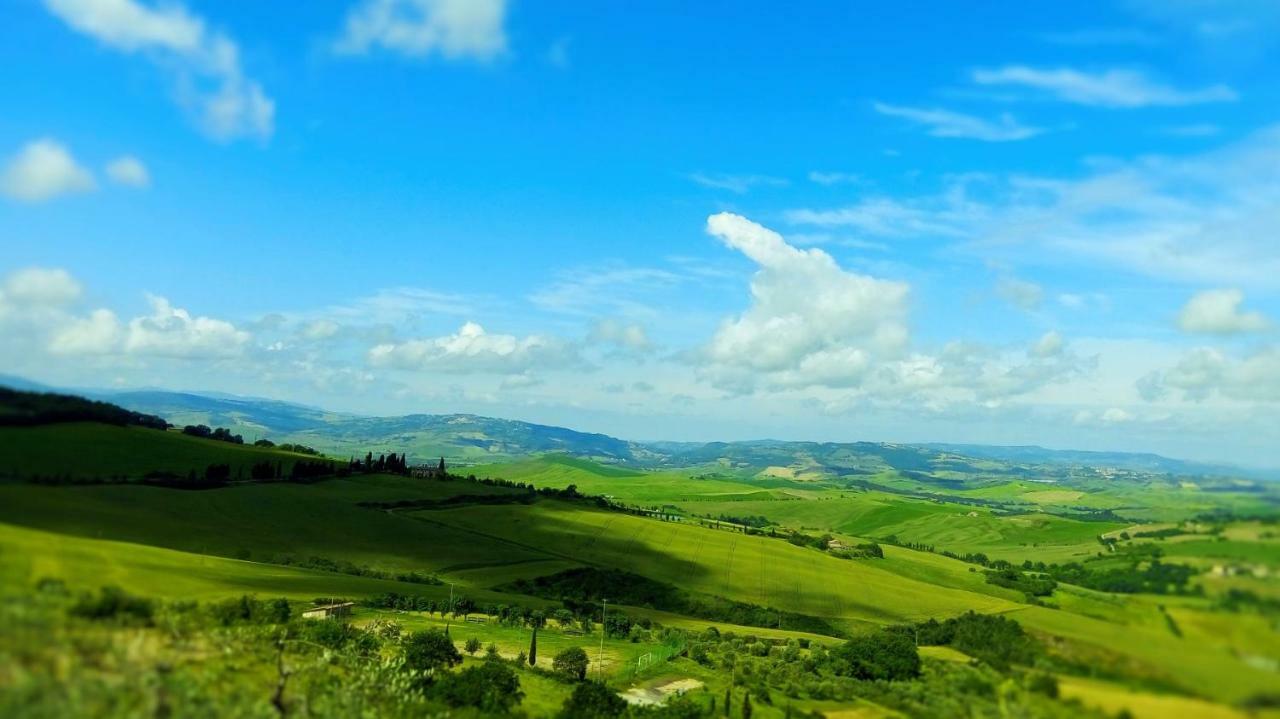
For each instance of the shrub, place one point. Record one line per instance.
(491, 687)
(572, 663)
(592, 700)
(430, 651)
(113, 603)
(884, 655)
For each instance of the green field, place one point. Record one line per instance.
(256, 538)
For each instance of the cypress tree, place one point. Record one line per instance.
(728, 699)
(746, 706)
(533, 648)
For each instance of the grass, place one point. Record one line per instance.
(1114, 698)
(181, 544)
(87, 450)
(752, 569)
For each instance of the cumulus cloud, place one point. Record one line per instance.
(939, 122)
(172, 332)
(211, 84)
(1020, 293)
(98, 333)
(129, 171)
(473, 350)
(1115, 88)
(1207, 372)
(1218, 312)
(418, 28)
(44, 169)
(39, 286)
(810, 321)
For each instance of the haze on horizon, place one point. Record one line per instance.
(1052, 226)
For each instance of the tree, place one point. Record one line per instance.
(429, 651)
(728, 699)
(884, 655)
(492, 687)
(472, 646)
(592, 700)
(440, 470)
(572, 663)
(746, 706)
(533, 648)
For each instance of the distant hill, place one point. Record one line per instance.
(471, 439)
(1133, 461)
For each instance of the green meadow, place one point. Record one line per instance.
(701, 553)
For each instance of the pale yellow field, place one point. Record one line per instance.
(1052, 496)
(1112, 698)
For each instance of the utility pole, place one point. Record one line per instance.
(604, 613)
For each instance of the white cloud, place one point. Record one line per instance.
(321, 329)
(617, 289)
(1207, 372)
(1114, 88)
(39, 286)
(172, 332)
(810, 321)
(42, 170)
(417, 28)
(948, 123)
(1022, 294)
(627, 336)
(472, 350)
(129, 170)
(738, 184)
(98, 333)
(1049, 345)
(1218, 312)
(1207, 218)
(211, 83)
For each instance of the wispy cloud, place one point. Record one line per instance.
(738, 184)
(948, 123)
(1115, 88)
(211, 84)
(418, 28)
(834, 178)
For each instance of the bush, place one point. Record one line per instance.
(113, 603)
(572, 663)
(430, 651)
(592, 700)
(491, 687)
(884, 655)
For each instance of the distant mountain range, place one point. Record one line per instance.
(470, 439)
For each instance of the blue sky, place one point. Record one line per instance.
(1039, 224)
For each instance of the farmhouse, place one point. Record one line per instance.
(329, 610)
(836, 545)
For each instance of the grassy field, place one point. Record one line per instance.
(86, 450)
(218, 543)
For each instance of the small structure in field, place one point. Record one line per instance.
(836, 545)
(326, 611)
